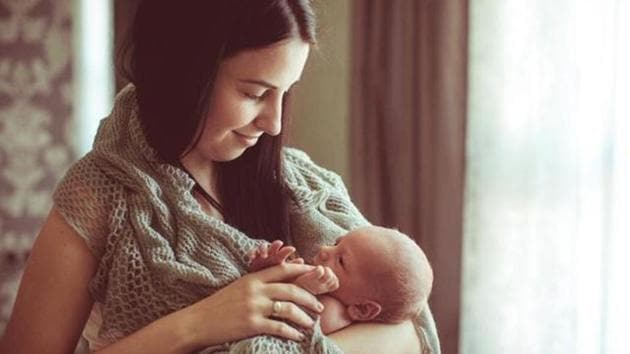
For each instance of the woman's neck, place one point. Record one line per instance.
(202, 170)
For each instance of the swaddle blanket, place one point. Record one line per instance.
(159, 252)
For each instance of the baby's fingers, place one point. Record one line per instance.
(255, 253)
(298, 260)
(275, 246)
(281, 255)
(331, 281)
(319, 272)
(263, 251)
(328, 274)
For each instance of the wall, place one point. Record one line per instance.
(320, 114)
(35, 117)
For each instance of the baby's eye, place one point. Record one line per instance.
(341, 261)
(336, 242)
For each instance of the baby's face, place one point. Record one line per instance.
(353, 258)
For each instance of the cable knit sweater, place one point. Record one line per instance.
(159, 252)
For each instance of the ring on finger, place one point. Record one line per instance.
(276, 307)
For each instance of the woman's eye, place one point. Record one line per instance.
(254, 97)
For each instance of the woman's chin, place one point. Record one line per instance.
(230, 155)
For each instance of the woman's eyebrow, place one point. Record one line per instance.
(262, 83)
(259, 82)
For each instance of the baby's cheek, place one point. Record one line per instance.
(344, 293)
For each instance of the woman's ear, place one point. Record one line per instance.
(364, 311)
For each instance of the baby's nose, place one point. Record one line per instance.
(323, 255)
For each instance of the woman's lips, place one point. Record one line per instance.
(247, 139)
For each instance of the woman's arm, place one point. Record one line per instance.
(53, 304)
(240, 310)
(53, 301)
(378, 338)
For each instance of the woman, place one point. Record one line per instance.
(148, 236)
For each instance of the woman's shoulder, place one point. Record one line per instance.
(85, 198)
(86, 176)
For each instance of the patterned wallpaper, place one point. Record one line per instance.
(35, 126)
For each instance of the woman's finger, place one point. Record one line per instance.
(279, 329)
(282, 272)
(290, 311)
(294, 294)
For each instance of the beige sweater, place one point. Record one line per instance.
(159, 252)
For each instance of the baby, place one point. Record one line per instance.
(370, 274)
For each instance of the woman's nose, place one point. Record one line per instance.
(270, 120)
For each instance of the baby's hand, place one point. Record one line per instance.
(269, 255)
(320, 280)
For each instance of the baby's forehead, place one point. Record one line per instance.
(372, 263)
(370, 237)
(382, 246)
(368, 233)
(371, 254)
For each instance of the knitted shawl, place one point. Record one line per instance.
(159, 252)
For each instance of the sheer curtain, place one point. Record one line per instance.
(547, 204)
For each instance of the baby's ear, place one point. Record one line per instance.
(364, 311)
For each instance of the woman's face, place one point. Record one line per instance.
(246, 101)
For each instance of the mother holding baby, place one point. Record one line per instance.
(146, 247)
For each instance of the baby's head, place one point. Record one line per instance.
(383, 274)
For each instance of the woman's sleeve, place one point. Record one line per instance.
(84, 199)
(333, 202)
(427, 331)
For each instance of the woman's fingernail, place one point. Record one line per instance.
(320, 307)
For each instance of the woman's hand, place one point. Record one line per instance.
(252, 305)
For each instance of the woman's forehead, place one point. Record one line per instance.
(279, 65)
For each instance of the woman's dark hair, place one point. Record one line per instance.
(172, 54)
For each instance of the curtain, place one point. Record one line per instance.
(546, 230)
(408, 103)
